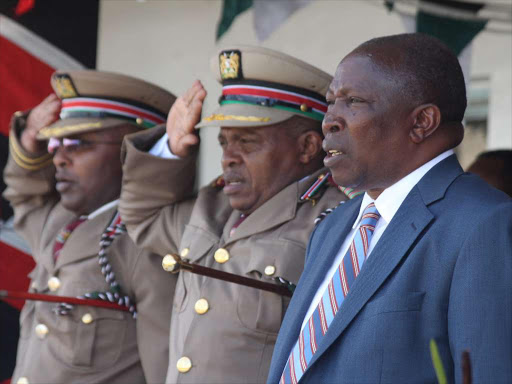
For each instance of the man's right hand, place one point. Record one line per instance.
(46, 113)
(184, 115)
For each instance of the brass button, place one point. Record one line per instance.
(184, 364)
(87, 318)
(168, 263)
(18, 114)
(304, 107)
(53, 283)
(139, 121)
(22, 380)
(184, 252)
(41, 331)
(270, 270)
(221, 255)
(201, 306)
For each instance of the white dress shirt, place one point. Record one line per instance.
(387, 204)
(161, 149)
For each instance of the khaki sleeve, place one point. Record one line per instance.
(30, 184)
(156, 197)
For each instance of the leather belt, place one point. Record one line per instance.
(174, 263)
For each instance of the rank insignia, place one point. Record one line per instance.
(64, 86)
(230, 63)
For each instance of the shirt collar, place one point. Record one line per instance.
(392, 197)
(102, 209)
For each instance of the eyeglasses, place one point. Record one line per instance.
(72, 145)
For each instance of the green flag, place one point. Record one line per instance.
(455, 33)
(230, 10)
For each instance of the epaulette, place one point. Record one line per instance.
(317, 189)
(324, 214)
(218, 182)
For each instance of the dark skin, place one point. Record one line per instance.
(374, 138)
(257, 162)
(88, 177)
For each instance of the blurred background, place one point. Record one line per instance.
(171, 42)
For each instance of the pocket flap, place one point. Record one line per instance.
(276, 258)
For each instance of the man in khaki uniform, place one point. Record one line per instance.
(254, 221)
(92, 257)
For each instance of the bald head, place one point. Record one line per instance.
(423, 69)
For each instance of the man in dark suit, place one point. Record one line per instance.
(425, 253)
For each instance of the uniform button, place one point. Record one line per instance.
(270, 270)
(22, 380)
(18, 114)
(304, 107)
(184, 364)
(221, 255)
(41, 331)
(53, 283)
(168, 263)
(184, 252)
(201, 306)
(87, 318)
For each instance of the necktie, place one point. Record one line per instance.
(237, 223)
(64, 234)
(317, 325)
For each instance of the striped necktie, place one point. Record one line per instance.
(64, 234)
(317, 325)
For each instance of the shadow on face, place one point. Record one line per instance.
(89, 175)
(261, 161)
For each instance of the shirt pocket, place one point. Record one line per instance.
(93, 336)
(262, 310)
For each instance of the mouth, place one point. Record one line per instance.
(233, 184)
(63, 183)
(334, 153)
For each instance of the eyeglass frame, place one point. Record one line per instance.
(72, 145)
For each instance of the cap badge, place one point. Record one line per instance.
(64, 86)
(230, 65)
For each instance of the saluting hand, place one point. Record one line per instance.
(183, 117)
(44, 114)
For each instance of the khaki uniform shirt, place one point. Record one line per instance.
(220, 332)
(90, 344)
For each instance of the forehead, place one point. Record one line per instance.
(360, 72)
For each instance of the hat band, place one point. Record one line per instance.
(273, 97)
(81, 107)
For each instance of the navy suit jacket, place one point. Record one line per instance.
(441, 270)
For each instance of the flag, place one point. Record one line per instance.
(267, 15)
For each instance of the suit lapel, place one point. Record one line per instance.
(404, 229)
(323, 248)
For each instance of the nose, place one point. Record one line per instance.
(60, 158)
(230, 157)
(330, 125)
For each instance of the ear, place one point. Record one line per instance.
(310, 146)
(426, 120)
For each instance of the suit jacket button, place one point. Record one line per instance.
(221, 255)
(41, 331)
(168, 263)
(184, 364)
(201, 306)
(87, 318)
(270, 270)
(53, 283)
(22, 380)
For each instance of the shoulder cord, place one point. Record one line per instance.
(114, 294)
(324, 214)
